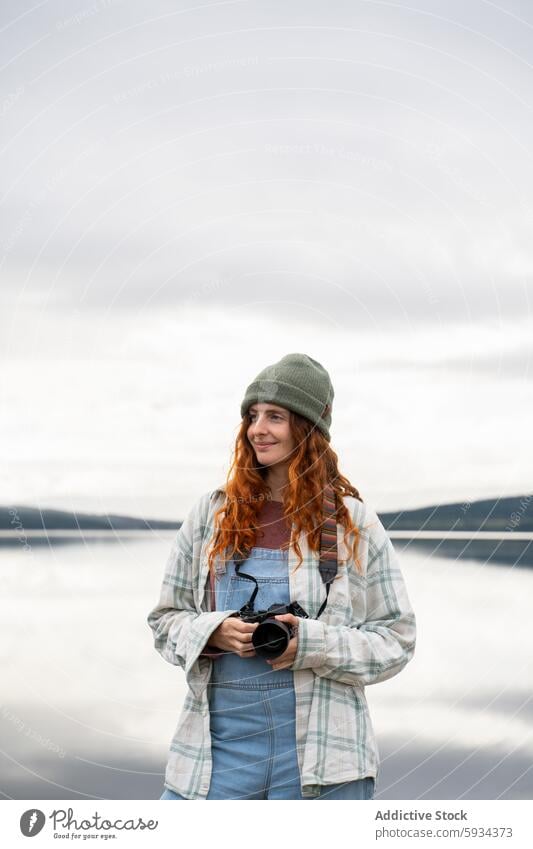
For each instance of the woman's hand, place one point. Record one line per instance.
(234, 635)
(285, 660)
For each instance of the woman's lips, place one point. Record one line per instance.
(262, 446)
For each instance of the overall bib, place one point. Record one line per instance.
(252, 706)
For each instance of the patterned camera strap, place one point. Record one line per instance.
(328, 542)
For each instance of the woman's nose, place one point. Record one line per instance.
(259, 426)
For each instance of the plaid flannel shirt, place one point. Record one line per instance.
(366, 634)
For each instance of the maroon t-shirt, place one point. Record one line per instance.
(273, 531)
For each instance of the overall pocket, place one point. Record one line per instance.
(272, 590)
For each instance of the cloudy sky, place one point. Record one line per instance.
(192, 190)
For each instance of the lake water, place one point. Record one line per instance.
(88, 707)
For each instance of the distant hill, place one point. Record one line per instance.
(30, 519)
(491, 514)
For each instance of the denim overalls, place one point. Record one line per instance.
(252, 707)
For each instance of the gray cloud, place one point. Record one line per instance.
(358, 160)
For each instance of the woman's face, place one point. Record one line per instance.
(269, 433)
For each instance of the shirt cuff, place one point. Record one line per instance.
(201, 629)
(311, 645)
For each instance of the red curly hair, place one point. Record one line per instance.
(314, 464)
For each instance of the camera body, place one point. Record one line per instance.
(271, 638)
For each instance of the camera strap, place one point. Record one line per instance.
(328, 551)
(328, 542)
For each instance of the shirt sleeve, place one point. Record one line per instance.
(180, 630)
(383, 644)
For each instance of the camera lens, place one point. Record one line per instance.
(271, 638)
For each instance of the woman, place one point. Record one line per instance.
(286, 528)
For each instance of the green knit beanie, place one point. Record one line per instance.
(298, 383)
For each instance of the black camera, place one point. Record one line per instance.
(271, 637)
